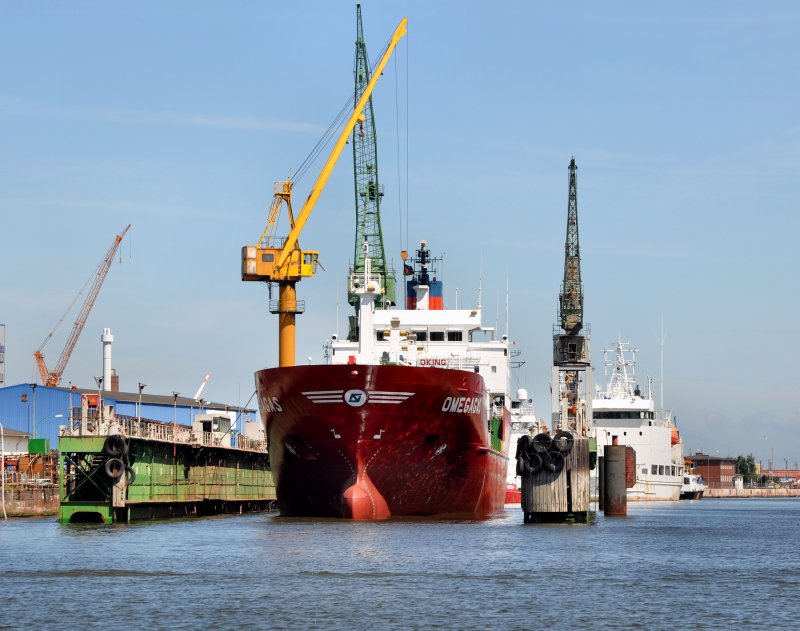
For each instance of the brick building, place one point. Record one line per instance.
(717, 471)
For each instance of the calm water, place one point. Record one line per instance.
(702, 565)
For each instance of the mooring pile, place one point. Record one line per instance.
(554, 471)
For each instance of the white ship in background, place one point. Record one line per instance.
(523, 422)
(626, 413)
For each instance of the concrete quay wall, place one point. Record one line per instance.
(31, 501)
(739, 493)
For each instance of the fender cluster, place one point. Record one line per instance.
(543, 452)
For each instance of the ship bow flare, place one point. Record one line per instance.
(371, 442)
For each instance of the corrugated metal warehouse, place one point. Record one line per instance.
(39, 410)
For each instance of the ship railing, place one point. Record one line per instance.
(134, 427)
(463, 362)
(586, 330)
(357, 279)
(250, 444)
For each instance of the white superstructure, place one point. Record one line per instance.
(625, 413)
(693, 485)
(424, 336)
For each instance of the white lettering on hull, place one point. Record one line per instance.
(270, 404)
(462, 405)
(432, 361)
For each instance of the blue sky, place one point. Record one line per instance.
(178, 117)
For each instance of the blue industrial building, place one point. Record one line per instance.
(39, 410)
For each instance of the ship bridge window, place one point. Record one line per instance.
(644, 470)
(616, 415)
(661, 469)
(454, 336)
(421, 335)
(437, 336)
(654, 469)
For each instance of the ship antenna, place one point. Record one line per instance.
(480, 281)
(661, 367)
(507, 333)
(337, 314)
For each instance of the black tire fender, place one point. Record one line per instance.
(554, 461)
(536, 463)
(115, 445)
(130, 475)
(114, 468)
(523, 442)
(541, 443)
(563, 442)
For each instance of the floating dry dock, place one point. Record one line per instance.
(121, 469)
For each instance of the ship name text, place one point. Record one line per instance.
(270, 404)
(432, 361)
(462, 405)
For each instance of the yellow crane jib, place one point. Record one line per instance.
(282, 260)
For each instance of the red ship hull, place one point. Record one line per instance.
(373, 442)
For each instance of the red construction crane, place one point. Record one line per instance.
(53, 378)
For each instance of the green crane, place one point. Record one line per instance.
(570, 300)
(368, 190)
(571, 385)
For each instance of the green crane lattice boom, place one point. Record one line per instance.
(368, 191)
(571, 385)
(570, 300)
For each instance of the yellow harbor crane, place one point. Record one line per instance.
(281, 260)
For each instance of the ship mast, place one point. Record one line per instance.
(368, 191)
(572, 374)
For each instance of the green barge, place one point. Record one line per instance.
(118, 469)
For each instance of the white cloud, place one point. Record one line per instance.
(144, 117)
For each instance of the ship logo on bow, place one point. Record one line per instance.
(357, 398)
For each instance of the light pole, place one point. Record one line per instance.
(33, 415)
(99, 382)
(139, 407)
(174, 419)
(3, 468)
(46, 418)
(175, 407)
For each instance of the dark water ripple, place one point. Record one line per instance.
(716, 564)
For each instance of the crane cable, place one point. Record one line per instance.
(69, 308)
(397, 144)
(335, 124)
